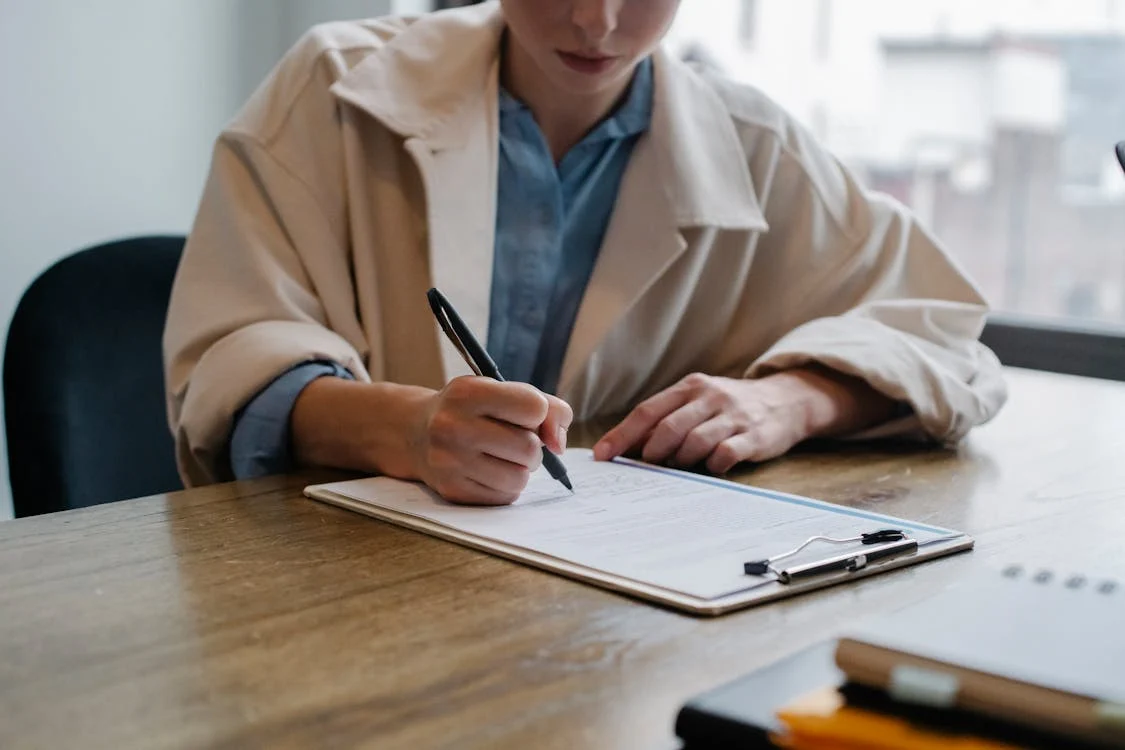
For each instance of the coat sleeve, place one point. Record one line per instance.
(248, 303)
(860, 287)
(265, 280)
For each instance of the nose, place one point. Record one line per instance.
(596, 19)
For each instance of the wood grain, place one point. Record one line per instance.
(244, 616)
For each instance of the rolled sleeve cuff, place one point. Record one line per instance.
(260, 441)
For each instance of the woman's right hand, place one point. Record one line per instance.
(477, 441)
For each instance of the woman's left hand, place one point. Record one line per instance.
(725, 421)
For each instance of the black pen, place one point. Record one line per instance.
(482, 364)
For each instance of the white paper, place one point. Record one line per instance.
(678, 531)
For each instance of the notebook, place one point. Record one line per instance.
(756, 709)
(667, 536)
(1033, 647)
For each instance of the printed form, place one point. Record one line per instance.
(678, 531)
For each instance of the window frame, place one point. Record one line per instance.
(1066, 346)
(446, 4)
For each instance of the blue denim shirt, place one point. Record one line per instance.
(550, 223)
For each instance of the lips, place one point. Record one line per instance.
(587, 63)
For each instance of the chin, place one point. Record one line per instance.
(581, 84)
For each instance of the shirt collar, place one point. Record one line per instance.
(631, 117)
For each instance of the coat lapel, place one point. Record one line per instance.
(436, 84)
(689, 170)
(642, 240)
(460, 186)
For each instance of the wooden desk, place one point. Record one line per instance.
(246, 616)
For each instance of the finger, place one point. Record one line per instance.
(504, 477)
(554, 428)
(505, 442)
(640, 422)
(670, 433)
(702, 441)
(459, 435)
(731, 452)
(516, 403)
(520, 404)
(746, 446)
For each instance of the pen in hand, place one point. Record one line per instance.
(478, 360)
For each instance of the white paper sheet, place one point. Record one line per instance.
(677, 531)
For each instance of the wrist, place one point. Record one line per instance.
(367, 427)
(832, 404)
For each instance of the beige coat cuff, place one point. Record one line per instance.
(235, 369)
(949, 389)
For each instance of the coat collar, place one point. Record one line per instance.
(427, 82)
(423, 82)
(437, 85)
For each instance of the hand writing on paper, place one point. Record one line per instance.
(725, 421)
(479, 440)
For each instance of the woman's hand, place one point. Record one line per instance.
(725, 421)
(477, 441)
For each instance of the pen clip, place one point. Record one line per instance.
(458, 333)
(443, 321)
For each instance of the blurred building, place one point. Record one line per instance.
(995, 123)
(1005, 150)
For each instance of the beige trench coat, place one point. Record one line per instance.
(364, 171)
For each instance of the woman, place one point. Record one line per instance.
(632, 237)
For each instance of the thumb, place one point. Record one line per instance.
(553, 430)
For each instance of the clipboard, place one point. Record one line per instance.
(415, 507)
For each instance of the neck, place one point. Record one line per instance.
(563, 117)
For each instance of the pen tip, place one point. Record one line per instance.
(566, 483)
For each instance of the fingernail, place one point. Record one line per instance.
(561, 437)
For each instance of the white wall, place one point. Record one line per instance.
(108, 110)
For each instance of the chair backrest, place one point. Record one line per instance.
(84, 382)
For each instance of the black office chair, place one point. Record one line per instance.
(83, 379)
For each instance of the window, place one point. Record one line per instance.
(995, 121)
